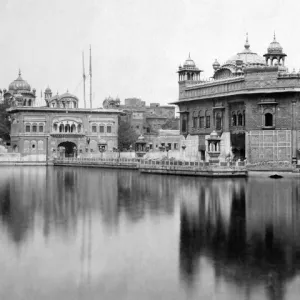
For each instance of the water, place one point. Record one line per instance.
(79, 233)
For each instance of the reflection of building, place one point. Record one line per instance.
(58, 126)
(251, 101)
(144, 119)
(251, 234)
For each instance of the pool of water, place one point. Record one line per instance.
(81, 233)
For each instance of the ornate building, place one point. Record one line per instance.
(252, 102)
(59, 127)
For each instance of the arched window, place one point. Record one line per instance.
(61, 128)
(218, 121)
(67, 128)
(234, 119)
(27, 128)
(74, 104)
(34, 128)
(240, 119)
(79, 128)
(41, 127)
(73, 128)
(201, 119)
(108, 129)
(55, 127)
(207, 120)
(40, 145)
(94, 128)
(26, 145)
(268, 119)
(33, 145)
(101, 128)
(194, 119)
(29, 102)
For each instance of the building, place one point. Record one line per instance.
(252, 102)
(59, 127)
(144, 119)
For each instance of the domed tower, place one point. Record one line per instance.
(275, 55)
(48, 94)
(19, 93)
(188, 74)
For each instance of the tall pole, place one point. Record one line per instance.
(90, 77)
(84, 77)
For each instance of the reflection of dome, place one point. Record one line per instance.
(247, 56)
(274, 46)
(19, 84)
(189, 62)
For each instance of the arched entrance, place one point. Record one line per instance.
(67, 149)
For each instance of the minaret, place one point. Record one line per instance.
(90, 77)
(84, 77)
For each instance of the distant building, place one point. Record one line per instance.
(252, 102)
(59, 127)
(144, 119)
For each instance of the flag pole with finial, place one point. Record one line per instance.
(84, 77)
(90, 77)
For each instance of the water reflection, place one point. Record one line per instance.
(248, 230)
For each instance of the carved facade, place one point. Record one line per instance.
(60, 127)
(252, 102)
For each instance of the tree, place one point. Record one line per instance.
(126, 135)
(172, 124)
(4, 122)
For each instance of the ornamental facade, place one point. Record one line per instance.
(251, 105)
(59, 128)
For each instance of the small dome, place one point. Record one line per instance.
(141, 138)
(274, 46)
(189, 62)
(48, 90)
(19, 84)
(216, 65)
(214, 134)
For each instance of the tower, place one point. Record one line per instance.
(48, 94)
(84, 77)
(275, 55)
(188, 74)
(90, 77)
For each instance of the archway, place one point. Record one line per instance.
(68, 149)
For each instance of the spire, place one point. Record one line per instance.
(84, 77)
(19, 72)
(274, 39)
(189, 55)
(247, 45)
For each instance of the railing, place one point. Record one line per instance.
(149, 163)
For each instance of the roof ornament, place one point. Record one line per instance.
(247, 45)
(19, 72)
(274, 39)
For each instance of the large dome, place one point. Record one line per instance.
(19, 84)
(247, 56)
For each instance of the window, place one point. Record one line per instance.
(79, 128)
(244, 118)
(218, 121)
(61, 128)
(41, 128)
(101, 128)
(108, 129)
(40, 145)
(34, 128)
(194, 119)
(207, 125)
(73, 128)
(67, 128)
(29, 102)
(175, 146)
(233, 119)
(27, 128)
(183, 124)
(169, 146)
(201, 122)
(268, 119)
(55, 127)
(94, 128)
(240, 119)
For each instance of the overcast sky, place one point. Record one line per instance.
(137, 45)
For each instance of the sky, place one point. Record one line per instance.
(137, 45)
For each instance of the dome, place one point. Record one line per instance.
(19, 84)
(214, 134)
(48, 90)
(274, 46)
(216, 65)
(247, 56)
(189, 63)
